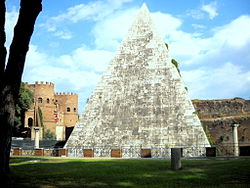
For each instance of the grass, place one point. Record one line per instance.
(58, 172)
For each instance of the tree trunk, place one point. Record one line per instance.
(11, 77)
(7, 113)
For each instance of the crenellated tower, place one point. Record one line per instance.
(52, 112)
(68, 108)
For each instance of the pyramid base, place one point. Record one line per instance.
(135, 152)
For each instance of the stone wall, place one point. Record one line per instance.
(222, 108)
(218, 116)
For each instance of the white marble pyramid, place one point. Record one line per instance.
(140, 103)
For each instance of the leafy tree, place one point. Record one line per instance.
(24, 102)
(48, 134)
(11, 74)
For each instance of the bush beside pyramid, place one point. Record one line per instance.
(140, 103)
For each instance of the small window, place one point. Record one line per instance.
(74, 109)
(30, 122)
(68, 109)
(40, 100)
(47, 100)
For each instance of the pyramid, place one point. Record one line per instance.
(140, 104)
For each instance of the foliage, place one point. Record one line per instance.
(24, 102)
(208, 134)
(48, 134)
(166, 45)
(129, 173)
(25, 97)
(176, 64)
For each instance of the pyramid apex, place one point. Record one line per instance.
(144, 8)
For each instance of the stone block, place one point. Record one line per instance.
(175, 158)
(88, 153)
(39, 152)
(17, 151)
(48, 152)
(116, 153)
(145, 153)
(63, 152)
(244, 150)
(211, 152)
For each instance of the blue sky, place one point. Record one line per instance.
(74, 40)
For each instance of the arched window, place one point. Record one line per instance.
(47, 100)
(68, 109)
(40, 100)
(30, 122)
(74, 109)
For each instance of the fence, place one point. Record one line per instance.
(136, 151)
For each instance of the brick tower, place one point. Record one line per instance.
(50, 111)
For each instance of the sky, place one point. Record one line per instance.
(74, 40)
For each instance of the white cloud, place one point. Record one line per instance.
(11, 19)
(77, 72)
(63, 34)
(96, 60)
(93, 11)
(83, 58)
(80, 70)
(198, 26)
(166, 24)
(195, 49)
(109, 37)
(227, 81)
(235, 33)
(211, 9)
(35, 58)
(196, 14)
(109, 32)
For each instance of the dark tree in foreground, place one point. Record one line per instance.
(11, 73)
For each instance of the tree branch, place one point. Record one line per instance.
(3, 51)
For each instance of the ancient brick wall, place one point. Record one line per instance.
(218, 116)
(221, 108)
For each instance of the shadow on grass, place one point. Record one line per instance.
(129, 173)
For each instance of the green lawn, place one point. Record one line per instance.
(58, 172)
